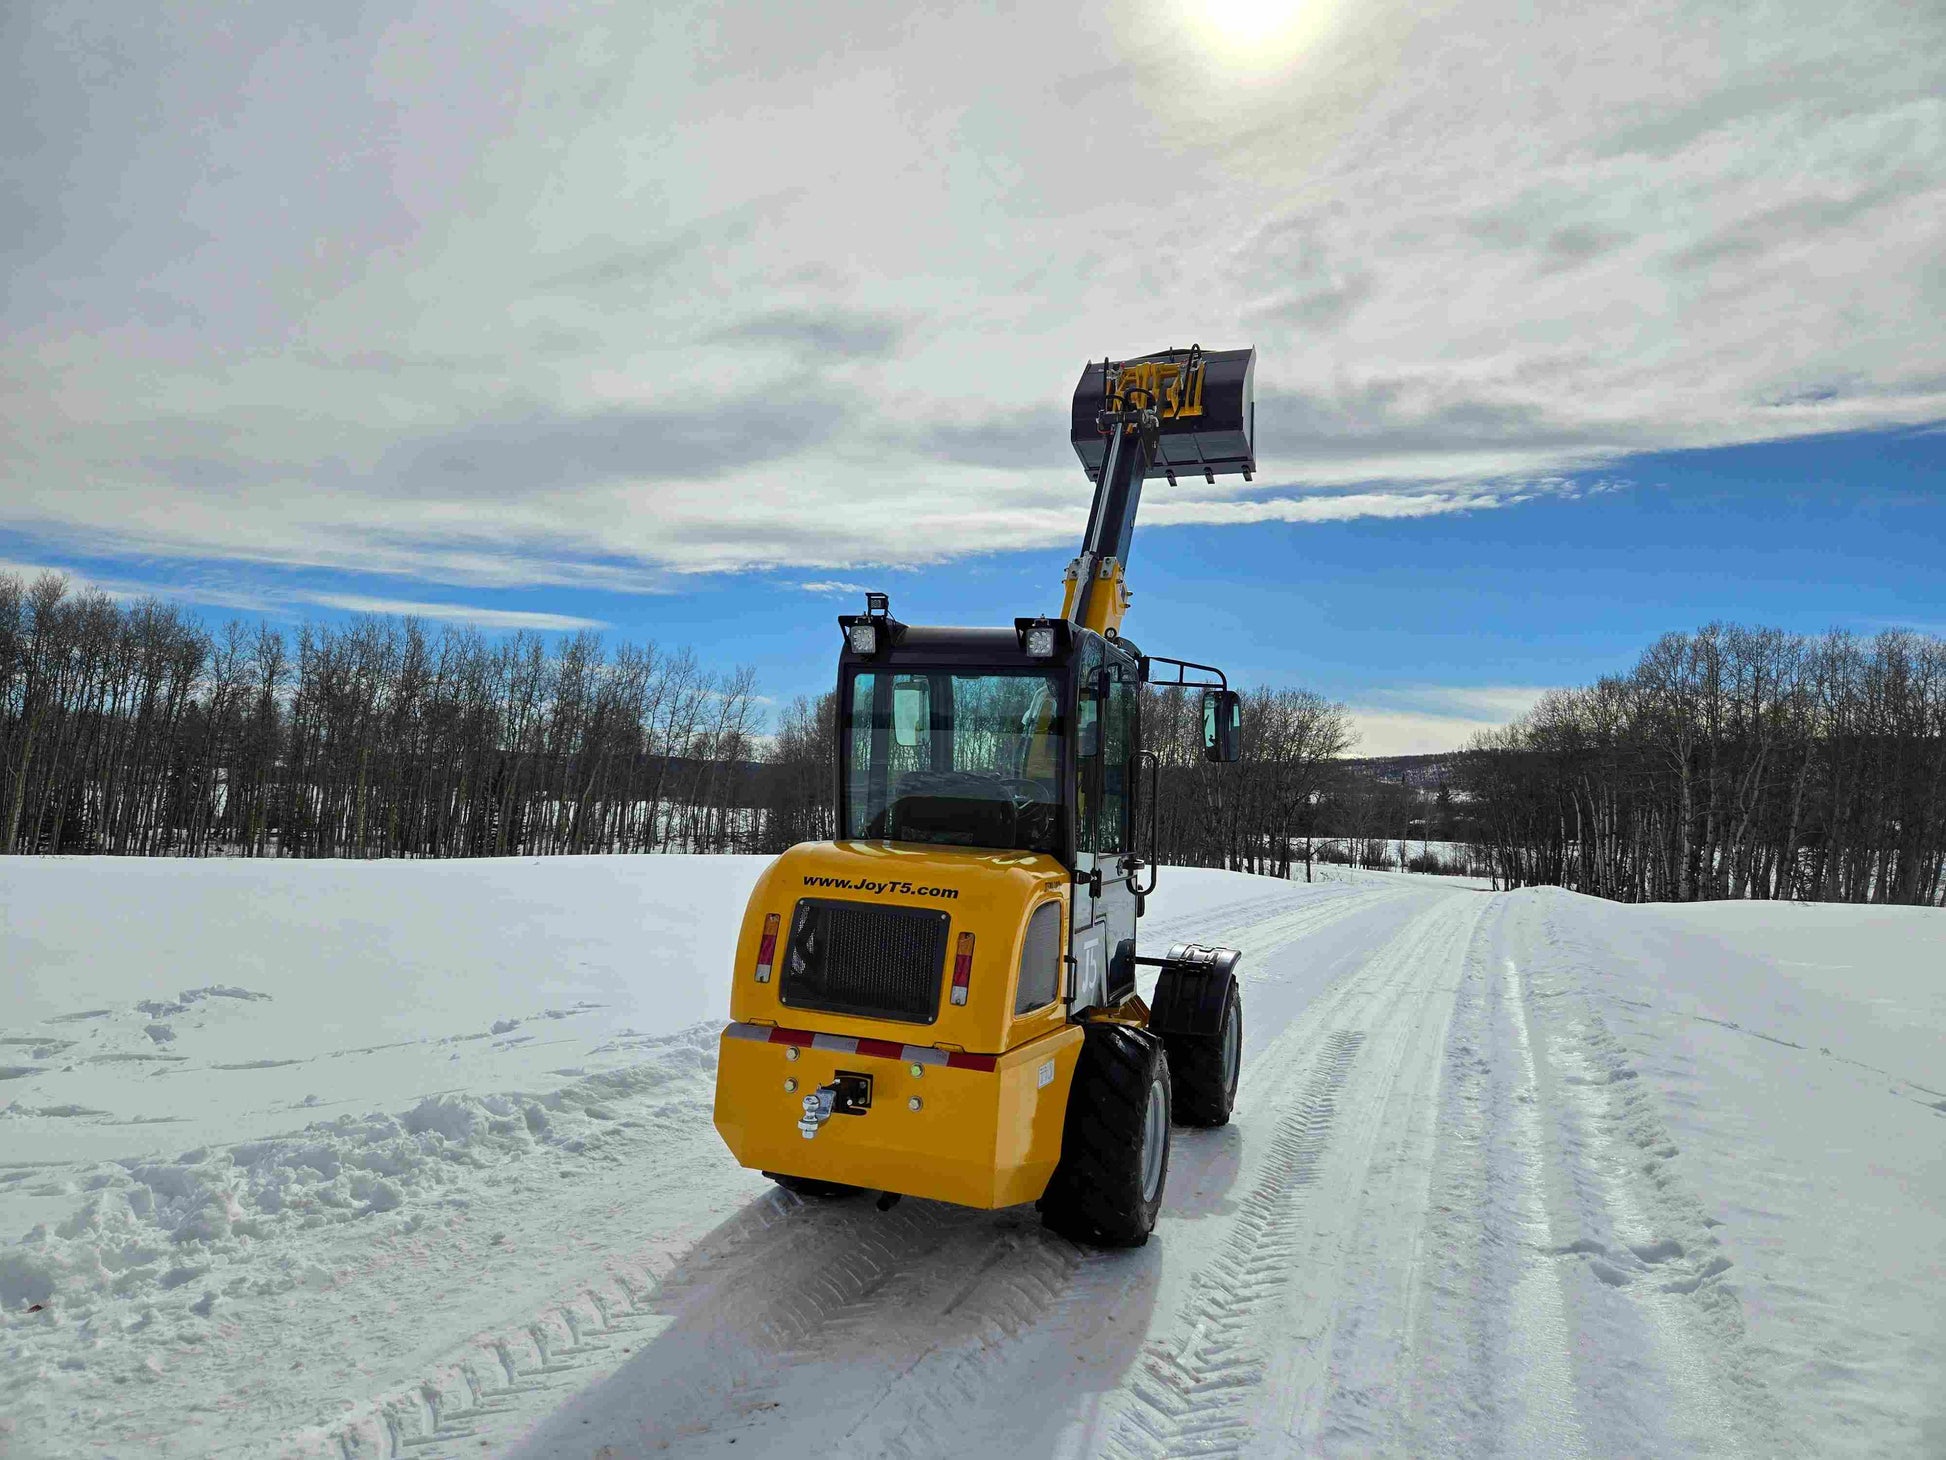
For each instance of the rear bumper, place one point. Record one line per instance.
(987, 1132)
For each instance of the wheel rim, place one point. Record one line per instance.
(1155, 1141)
(1232, 1049)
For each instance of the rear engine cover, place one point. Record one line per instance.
(866, 959)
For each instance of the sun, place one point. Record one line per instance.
(1246, 28)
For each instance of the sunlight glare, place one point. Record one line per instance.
(1246, 27)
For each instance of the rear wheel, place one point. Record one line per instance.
(1114, 1163)
(809, 1188)
(1205, 1068)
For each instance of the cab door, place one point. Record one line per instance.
(1104, 900)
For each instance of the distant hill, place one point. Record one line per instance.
(1420, 772)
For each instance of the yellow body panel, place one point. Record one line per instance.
(984, 1138)
(980, 1138)
(989, 894)
(1108, 607)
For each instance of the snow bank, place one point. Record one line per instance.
(158, 1006)
(217, 1073)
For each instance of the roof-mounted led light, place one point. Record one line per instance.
(875, 630)
(1043, 638)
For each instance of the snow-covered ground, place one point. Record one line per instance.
(362, 1159)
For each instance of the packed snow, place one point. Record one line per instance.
(363, 1159)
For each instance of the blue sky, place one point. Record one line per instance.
(1429, 627)
(540, 314)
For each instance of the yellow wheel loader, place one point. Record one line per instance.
(942, 1002)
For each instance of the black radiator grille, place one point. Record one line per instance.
(855, 958)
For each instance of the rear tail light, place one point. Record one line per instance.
(962, 967)
(767, 950)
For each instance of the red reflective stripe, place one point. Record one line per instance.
(877, 1048)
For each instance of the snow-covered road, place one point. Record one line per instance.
(1511, 1175)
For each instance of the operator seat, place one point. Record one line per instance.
(962, 808)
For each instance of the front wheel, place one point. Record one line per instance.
(1114, 1163)
(1205, 1068)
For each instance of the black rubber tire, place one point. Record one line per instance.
(1206, 1090)
(808, 1187)
(1095, 1195)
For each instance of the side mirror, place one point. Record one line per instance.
(1222, 725)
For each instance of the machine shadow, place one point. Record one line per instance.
(1203, 1167)
(829, 1327)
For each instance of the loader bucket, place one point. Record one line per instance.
(1204, 401)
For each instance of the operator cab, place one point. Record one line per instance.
(961, 737)
(1013, 740)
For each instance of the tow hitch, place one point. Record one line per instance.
(847, 1094)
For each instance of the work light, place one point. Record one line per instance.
(1040, 641)
(864, 638)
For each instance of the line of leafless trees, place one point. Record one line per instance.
(1729, 763)
(133, 729)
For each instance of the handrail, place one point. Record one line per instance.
(1179, 682)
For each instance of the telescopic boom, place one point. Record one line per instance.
(1188, 411)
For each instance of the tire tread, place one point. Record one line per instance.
(1095, 1193)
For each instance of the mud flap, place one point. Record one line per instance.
(1193, 991)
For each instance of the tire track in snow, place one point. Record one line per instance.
(1495, 1371)
(1280, 918)
(891, 1319)
(1189, 1398)
(1253, 1361)
(949, 1381)
(1022, 1285)
(1660, 1297)
(502, 1377)
(1576, 1296)
(1341, 1389)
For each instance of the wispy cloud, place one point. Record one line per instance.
(286, 602)
(832, 586)
(1431, 719)
(479, 617)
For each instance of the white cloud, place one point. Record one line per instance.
(833, 586)
(1431, 719)
(492, 337)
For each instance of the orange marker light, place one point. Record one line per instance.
(962, 967)
(767, 950)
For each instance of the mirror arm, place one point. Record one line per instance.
(1155, 770)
